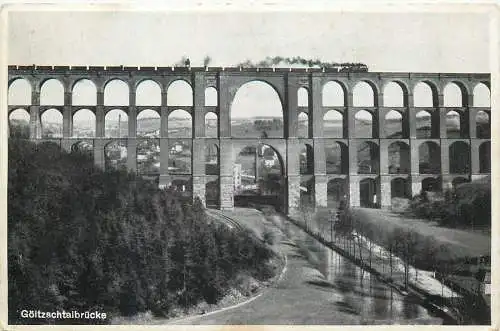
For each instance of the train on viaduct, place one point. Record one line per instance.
(451, 159)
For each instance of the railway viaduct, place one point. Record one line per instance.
(286, 82)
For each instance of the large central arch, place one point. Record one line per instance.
(256, 112)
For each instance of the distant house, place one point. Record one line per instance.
(269, 156)
(270, 160)
(176, 148)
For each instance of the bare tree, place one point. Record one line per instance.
(391, 242)
(406, 249)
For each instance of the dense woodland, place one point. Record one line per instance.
(80, 238)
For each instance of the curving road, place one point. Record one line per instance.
(319, 287)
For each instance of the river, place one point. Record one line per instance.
(362, 293)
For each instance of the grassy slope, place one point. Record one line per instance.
(460, 243)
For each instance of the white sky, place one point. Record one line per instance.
(409, 42)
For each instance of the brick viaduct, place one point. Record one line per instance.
(286, 83)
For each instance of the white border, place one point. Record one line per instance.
(429, 6)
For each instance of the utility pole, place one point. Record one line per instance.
(119, 125)
(257, 167)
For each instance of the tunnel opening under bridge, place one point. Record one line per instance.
(258, 177)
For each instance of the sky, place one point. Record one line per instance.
(430, 42)
(408, 42)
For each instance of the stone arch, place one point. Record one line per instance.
(116, 124)
(424, 125)
(211, 97)
(180, 156)
(148, 124)
(337, 191)
(431, 184)
(52, 123)
(399, 158)
(148, 156)
(333, 124)
(454, 95)
(19, 92)
(212, 163)
(400, 188)
(459, 154)
(84, 123)
(260, 170)
(303, 97)
(19, 123)
(83, 147)
(368, 158)
(482, 95)
(453, 124)
(485, 157)
(395, 95)
(393, 124)
(333, 94)
(483, 125)
(425, 94)
(115, 154)
(368, 193)
(429, 156)
(364, 94)
(84, 92)
(52, 93)
(179, 93)
(211, 125)
(303, 125)
(306, 160)
(247, 106)
(336, 157)
(148, 93)
(116, 93)
(363, 124)
(180, 124)
(458, 181)
(212, 194)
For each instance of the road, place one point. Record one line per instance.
(320, 287)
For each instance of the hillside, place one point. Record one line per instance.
(80, 238)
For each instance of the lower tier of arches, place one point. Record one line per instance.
(210, 174)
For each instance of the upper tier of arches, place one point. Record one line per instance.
(116, 90)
